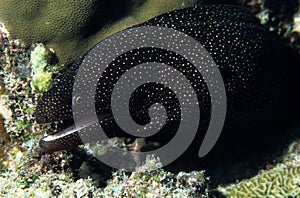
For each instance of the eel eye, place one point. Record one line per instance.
(77, 99)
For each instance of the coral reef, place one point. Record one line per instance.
(142, 183)
(297, 21)
(18, 96)
(292, 157)
(281, 17)
(150, 180)
(278, 180)
(295, 40)
(44, 21)
(48, 185)
(281, 181)
(27, 172)
(4, 139)
(21, 159)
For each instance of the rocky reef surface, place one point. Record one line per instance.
(26, 71)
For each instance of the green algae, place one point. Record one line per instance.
(41, 60)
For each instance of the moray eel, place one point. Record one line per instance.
(254, 66)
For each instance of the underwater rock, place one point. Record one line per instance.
(87, 22)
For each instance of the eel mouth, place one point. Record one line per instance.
(69, 134)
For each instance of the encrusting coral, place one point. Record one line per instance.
(18, 94)
(281, 181)
(150, 180)
(17, 99)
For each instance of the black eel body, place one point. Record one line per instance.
(257, 71)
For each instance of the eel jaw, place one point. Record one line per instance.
(70, 136)
(62, 140)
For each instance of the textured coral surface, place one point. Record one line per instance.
(281, 181)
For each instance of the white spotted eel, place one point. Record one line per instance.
(258, 71)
